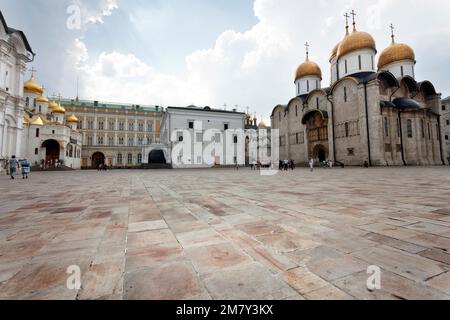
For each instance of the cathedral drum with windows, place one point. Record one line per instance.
(371, 113)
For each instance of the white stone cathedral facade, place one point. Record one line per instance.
(374, 111)
(15, 53)
(31, 127)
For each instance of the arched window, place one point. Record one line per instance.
(409, 128)
(119, 158)
(130, 158)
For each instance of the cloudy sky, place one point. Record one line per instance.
(213, 52)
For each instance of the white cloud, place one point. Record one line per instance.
(95, 11)
(255, 68)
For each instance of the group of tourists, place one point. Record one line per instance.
(102, 167)
(15, 165)
(286, 165)
(45, 165)
(258, 165)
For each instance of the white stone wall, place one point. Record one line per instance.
(307, 84)
(352, 60)
(61, 134)
(177, 120)
(396, 69)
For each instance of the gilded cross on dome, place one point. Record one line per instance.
(346, 15)
(307, 50)
(353, 13)
(392, 33)
(33, 71)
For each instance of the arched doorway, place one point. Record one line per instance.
(320, 152)
(52, 150)
(156, 157)
(316, 122)
(98, 159)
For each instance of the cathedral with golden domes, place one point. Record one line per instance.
(374, 112)
(49, 136)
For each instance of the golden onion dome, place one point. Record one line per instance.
(357, 40)
(58, 109)
(42, 99)
(308, 68)
(52, 105)
(72, 119)
(334, 51)
(394, 53)
(32, 86)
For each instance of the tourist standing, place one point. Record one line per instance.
(311, 164)
(26, 168)
(13, 166)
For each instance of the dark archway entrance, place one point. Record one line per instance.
(98, 159)
(157, 157)
(52, 150)
(320, 153)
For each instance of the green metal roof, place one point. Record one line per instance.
(108, 105)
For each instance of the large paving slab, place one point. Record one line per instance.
(226, 234)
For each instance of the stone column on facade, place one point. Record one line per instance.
(4, 137)
(418, 139)
(377, 148)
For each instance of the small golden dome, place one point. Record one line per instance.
(72, 119)
(42, 99)
(32, 86)
(308, 68)
(262, 124)
(356, 41)
(58, 109)
(52, 105)
(37, 121)
(396, 52)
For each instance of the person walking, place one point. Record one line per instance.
(26, 168)
(311, 164)
(13, 166)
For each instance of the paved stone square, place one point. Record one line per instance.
(226, 234)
